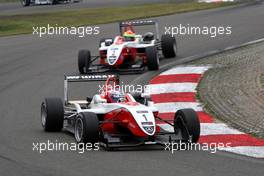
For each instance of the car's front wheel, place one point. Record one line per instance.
(168, 46)
(86, 128)
(152, 58)
(52, 114)
(187, 122)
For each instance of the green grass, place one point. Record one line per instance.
(23, 24)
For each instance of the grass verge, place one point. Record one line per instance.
(23, 24)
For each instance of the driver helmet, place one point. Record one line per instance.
(129, 35)
(117, 96)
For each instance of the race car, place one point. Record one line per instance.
(40, 2)
(114, 119)
(129, 51)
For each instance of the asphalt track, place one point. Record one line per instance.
(17, 8)
(32, 68)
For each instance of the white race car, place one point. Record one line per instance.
(114, 118)
(131, 51)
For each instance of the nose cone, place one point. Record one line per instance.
(145, 120)
(114, 52)
(149, 129)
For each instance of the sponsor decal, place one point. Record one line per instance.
(146, 123)
(142, 111)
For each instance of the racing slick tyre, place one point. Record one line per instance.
(53, 2)
(86, 129)
(52, 114)
(25, 2)
(152, 58)
(84, 60)
(168, 46)
(188, 122)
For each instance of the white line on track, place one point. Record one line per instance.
(208, 129)
(170, 88)
(186, 70)
(173, 107)
(253, 151)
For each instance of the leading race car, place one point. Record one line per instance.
(114, 118)
(129, 51)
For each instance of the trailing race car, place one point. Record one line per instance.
(40, 2)
(114, 118)
(129, 51)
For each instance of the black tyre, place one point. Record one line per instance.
(187, 121)
(84, 60)
(168, 46)
(52, 114)
(86, 128)
(152, 58)
(54, 2)
(25, 2)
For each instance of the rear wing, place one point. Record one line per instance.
(84, 78)
(139, 23)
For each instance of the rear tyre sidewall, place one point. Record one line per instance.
(52, 114)
(54, 2)
(168, 46)
(84, 59)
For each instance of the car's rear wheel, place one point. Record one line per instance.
(25, 2)
(53, 2)
(52, 114)
(187, 122)
(152, 58)
(86, 128)
(168, 46)
(84, 60)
